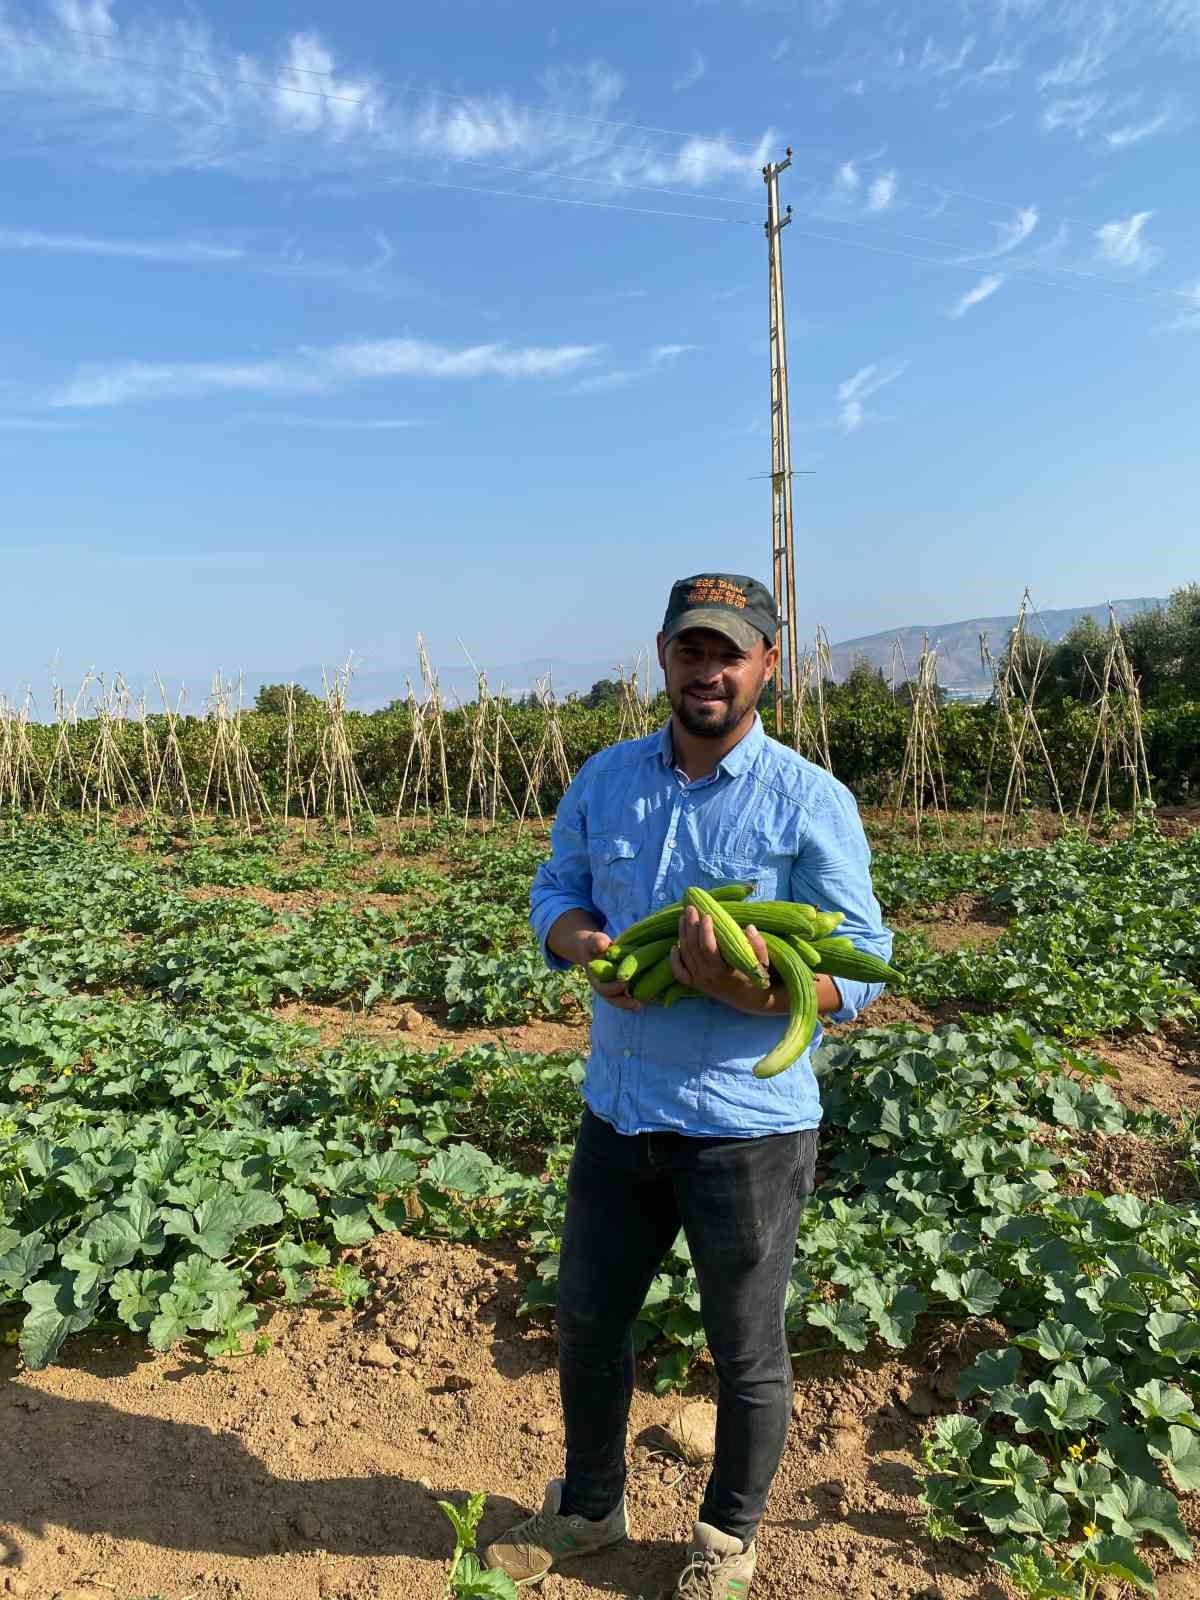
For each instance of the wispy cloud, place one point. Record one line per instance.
(983, 290)
(882, 192)
(782, 50)
(315, 371)
(283, 419)
(1120, 243)
(184, 251)
(38, 425)
(657, 358)
(600, 382)
(1009, 235)
(1000, 66)
(690, 75)
(942, 62)
(161, 93)
(847, 180)
(1075, 113)
(1085, 64)
(854, 392)
(697, 162)
(1134, 133)
(1189, 319)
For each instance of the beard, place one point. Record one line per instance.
(711, 721)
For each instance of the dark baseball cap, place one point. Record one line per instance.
(738, 607)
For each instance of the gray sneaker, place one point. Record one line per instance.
(531, 1549)
(718, 1567)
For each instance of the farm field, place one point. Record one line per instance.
(283, 1127)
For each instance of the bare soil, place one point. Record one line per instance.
(1158, 1070)
(313, 1471)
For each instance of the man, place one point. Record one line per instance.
(677, 1132)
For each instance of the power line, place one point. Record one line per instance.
(655, 211)
(320, 94)
(287, 166)
(838, 154)
(325, 95)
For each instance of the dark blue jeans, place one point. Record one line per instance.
(738, 1202)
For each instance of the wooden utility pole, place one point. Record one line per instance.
(783, 565)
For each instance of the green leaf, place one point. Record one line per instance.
(1068, 1407)
(1055, 1341)
(847, 1323)
(959, 1435)
(300, 1203)
(1023, 1467)
(352, 1224)
(54, 1313)
(216, 1223)
(1182, 1458)
(137, 1295)
(1084, 1481)
(977, 1292)
(1046, 1515)
(1113, 1557)
(1177, 1338)
(991, 1370)
(21, 1263)
(1136, 1508)
(1164, 1402)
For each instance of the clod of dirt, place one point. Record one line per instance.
(379, 1354)
(409, 1342)
(917, 1400)
(308, 1525)
(692, 1432)
(16, 1585)
(306, 1417)
(545, 1425)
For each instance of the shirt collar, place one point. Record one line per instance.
(734, 763)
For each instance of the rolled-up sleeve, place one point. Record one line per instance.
(833, 870)
(563, 882)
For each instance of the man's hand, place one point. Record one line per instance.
(576, 938)
(594, 945)
(697, 961)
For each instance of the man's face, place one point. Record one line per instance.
(711, 683)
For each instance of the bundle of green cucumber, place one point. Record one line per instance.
(801, 942)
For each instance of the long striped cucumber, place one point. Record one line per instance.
(802, 998)
(803, 948)
(677, 992)
(774, 916)
(853, 963)
(733, 944)
(643, 958)
(661, 923)
(655, 981)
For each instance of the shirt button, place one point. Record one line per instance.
(660, 895)
(627, 1054)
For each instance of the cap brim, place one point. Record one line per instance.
(744, 634)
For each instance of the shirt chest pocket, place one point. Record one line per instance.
(765, 876)
(615, 867)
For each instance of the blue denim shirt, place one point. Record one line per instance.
(630, 835)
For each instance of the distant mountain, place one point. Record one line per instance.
(371, 687)
(957, 643)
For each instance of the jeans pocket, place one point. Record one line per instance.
(804, 1176)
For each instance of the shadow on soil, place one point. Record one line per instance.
(96, 1470)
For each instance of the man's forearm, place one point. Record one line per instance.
(774, 1001)
(568, 934)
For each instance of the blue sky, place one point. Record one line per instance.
(283, 376)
